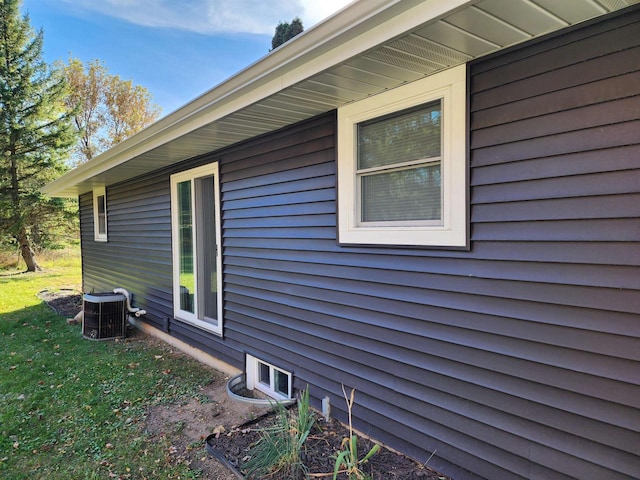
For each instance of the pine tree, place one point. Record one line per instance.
(285, 31)
(35, 131)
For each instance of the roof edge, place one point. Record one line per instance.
(353, 29)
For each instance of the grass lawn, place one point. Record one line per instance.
(72, 408)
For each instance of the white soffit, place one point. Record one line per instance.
(367, 48)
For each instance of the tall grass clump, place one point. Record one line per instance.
(278, 452)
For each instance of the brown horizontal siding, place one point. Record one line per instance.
(445, 379)
(519, 351)
(518, 359)
(565, 165)
(575, 119)
(499, 358)
(555, 179)
(625, 205)
(137, 255)
(575, 96)
(320, 252)
(547, 84)
(582, 44)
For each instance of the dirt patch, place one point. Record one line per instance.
(187, 426)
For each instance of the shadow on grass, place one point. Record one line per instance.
(72, 408)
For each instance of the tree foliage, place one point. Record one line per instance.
(107, 108)
(36, 133)
(84, 97)
(286, 31)
(129, 109)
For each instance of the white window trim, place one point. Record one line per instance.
(450, 87)
(179, 314)
(97, 236)
(252, 372)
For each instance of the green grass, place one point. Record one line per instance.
(72, 408)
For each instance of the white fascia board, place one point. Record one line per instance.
(354, 30)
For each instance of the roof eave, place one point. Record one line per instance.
(356, 29)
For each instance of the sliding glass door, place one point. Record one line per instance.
(197, 272)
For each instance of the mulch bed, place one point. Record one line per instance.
(321, 447)
(66, 303)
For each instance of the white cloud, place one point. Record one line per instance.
(316, 10)
(213, 16)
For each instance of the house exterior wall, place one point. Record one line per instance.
(518, 359)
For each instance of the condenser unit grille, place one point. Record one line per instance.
(104, 316)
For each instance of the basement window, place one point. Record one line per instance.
(99, 214)
(402, 165)
(268, 379)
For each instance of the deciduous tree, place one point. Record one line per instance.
(129, 109)
(36, 133)
(86, 86)
(108, 108)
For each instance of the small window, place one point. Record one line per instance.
(100, 214)
(402, 165)
(269, 379)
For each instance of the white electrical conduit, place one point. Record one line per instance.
(136, 311)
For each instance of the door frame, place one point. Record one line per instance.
(196, 318)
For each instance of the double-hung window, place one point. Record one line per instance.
(99, 214)
(197, 256)
(402, 165)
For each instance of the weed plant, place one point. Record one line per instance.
(347, 460)
(278, 452)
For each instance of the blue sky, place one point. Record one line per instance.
(177, 49)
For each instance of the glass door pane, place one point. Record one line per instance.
(206, 248)
(185, 245)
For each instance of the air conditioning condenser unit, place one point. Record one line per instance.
(104, 316)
